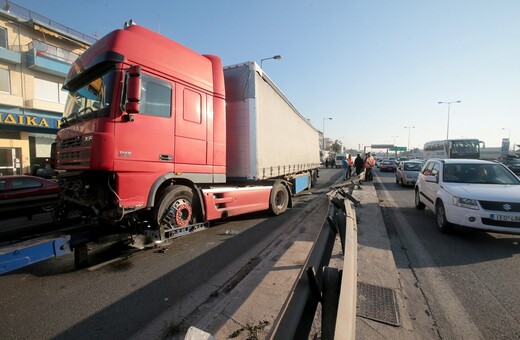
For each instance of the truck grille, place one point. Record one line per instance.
(70, 143)
(73, 152)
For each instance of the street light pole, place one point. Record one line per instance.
(449, 103)
(394, 137)
(323, 131)
(409, 128)
(276, 57)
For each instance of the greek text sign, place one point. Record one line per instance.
(29, 120)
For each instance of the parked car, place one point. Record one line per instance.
(25, 195)
(472, 193)
(388, 165)
(407, 172)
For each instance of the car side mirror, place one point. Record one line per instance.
(431, 179)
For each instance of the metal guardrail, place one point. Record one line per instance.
(334, 289)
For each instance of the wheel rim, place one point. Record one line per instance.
(181, 213)
(279, 199)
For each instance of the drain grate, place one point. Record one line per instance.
(377, 303)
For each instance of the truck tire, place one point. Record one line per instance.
(175, 207)
(279, 199)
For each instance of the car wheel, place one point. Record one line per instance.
(440, 214)
(418, 204)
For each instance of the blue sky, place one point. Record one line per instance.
(374, 66)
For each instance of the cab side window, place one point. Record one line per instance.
(156, 96)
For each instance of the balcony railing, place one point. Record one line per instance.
(24, 13)
(49, 59)
(53, 52)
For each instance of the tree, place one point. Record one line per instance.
(337, 146)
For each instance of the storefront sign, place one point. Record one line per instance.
(29, 120)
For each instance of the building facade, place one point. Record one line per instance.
(35, 56)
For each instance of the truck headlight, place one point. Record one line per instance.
(465, 203)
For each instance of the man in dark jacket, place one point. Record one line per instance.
(358, 163)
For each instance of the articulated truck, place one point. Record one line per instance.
(156, 137)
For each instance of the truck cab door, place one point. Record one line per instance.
(145, 142)
(192, 135)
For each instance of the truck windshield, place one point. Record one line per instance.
(90, 100)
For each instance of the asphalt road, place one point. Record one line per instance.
(118, 298)
(469, 280)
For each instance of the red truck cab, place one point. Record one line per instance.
(112, 155)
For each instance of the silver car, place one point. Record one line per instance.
(407, 172)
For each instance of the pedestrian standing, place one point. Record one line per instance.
(369, 163)
(350, 163)
(358, 164)
(344, 163)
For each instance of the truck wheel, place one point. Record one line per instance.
(175, 208)
(279, 199)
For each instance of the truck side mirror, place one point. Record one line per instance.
(133, 90)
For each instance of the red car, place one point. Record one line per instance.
(24, 195)
(388, 165)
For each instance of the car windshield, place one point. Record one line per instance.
(92, 99)
(479, 173)
(412, 166)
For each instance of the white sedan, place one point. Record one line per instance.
(471, 193)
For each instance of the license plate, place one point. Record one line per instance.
(505, 218)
